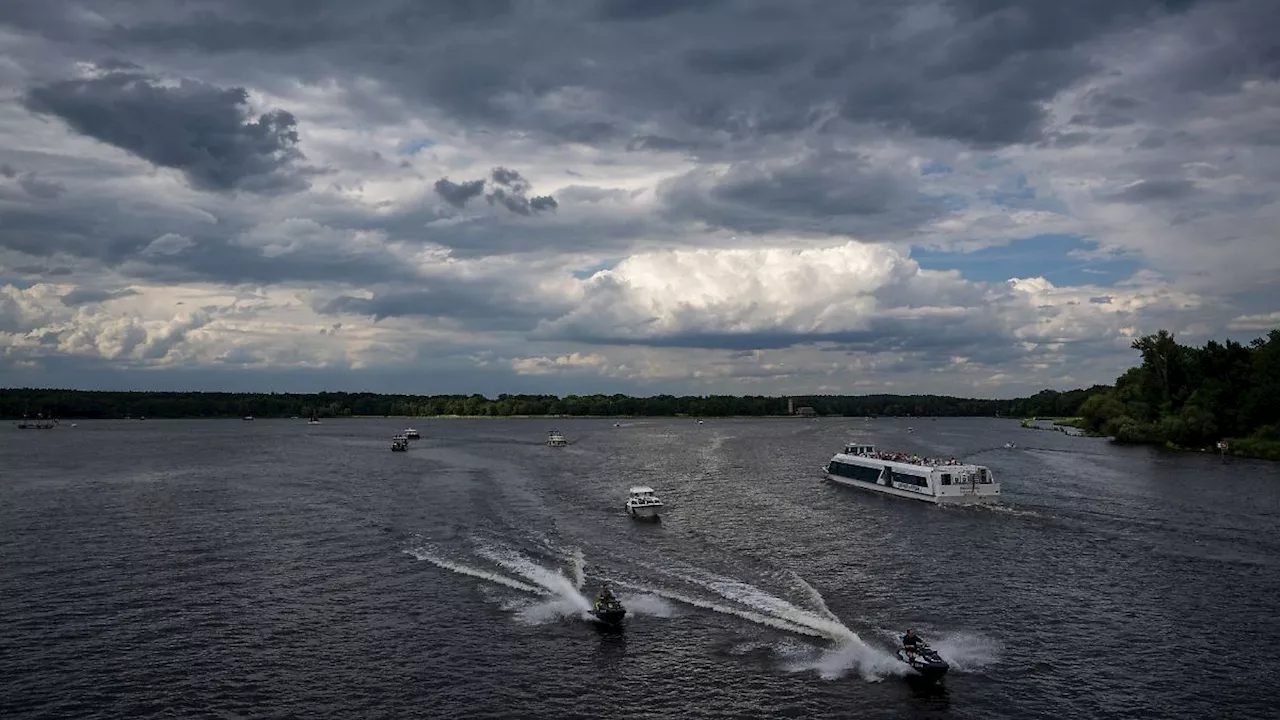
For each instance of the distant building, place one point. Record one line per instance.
(806, 411)
(791, 406)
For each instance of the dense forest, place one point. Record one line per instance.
(1189, 397)
(90, 404)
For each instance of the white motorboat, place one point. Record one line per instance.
(944, 482)
(643, 504)
(556, 439)
(412, 434)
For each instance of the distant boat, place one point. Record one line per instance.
(39, 423)
(314, 420)
(412, 434)
(248, 418)
(556, 439)
(399, 443)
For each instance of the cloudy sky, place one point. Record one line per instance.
(972, 197)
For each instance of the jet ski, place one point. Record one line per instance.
(926, 661)
(607, 609)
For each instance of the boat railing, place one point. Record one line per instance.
(909, 459)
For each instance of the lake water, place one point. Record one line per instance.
(228, 569)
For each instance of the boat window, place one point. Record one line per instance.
(908, 479)
(982, 475)
(855, 472)
(946, 478)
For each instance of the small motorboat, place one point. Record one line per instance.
(926, 661)
(556, 439)
(642, 504)
(412, 434)
(607, 609)
(399, 443)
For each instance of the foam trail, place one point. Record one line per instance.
(851, 651)
(754, 617)
(873, 665)
(756, 598)
(553, 581)
(812, 593)
(424, 554)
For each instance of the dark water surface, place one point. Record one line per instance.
(273, 569)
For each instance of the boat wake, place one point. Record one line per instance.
(849, 652)
(552, 591)
(559, 595)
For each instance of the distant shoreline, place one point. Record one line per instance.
(324, 418)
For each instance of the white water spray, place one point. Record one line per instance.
(967, 652)
(647, 603)
(577, 568)
(851, 651)
(759, 618)
(567, 601)
(812, 594)
(438, 561)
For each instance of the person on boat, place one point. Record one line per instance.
(912, 643)
(605, 597)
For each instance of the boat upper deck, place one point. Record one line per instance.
(870, 452)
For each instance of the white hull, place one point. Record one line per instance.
(644, 512)
(962, 499)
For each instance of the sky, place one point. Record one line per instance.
(981, 198)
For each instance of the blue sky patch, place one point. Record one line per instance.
(588, 272)
(1046, 256)
(1020, 195)
(413, 147)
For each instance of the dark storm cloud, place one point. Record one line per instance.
(979, 71)
(543, 202)
(484, 305)
(509, 178)
(938, 338)
(194, 127)
(509, 192)
(54, 271)
(750, 60)
(36, 187)
(457, 194)
(648, 9)
(823, 192)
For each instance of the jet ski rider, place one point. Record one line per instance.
(605, 597)
(912, 643)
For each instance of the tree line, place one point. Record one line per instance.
(95, 404)
(1193, 397)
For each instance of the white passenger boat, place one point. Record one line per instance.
(643, 504)
(412, 434)
(556, 439)
(399, 443)
(945, 482)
